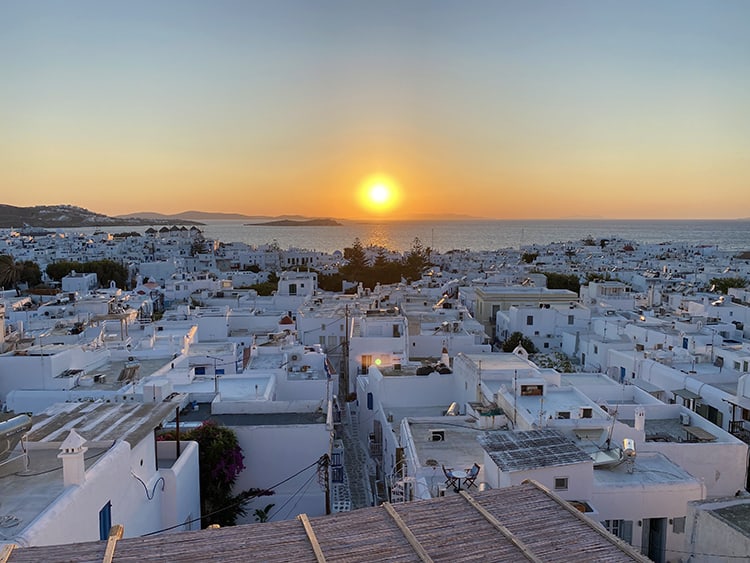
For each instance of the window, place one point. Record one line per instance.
(369, 401)
(292, 289)
(105, 521)
(737, 365)
(678, 525)
(530, 320)
(571, 319)
(219, 371)
(531, 390)
(596, 349)
(200, 370)
(561, 483)
(546, 344)
(623, 529)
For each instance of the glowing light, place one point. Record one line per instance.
(379, 193)
(378, 361)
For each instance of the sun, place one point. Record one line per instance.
(379, 193)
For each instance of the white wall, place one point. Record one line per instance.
(274, 453)
(708, 538)
(74, 516)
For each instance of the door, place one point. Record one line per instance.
(654, 538)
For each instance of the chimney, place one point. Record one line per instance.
(640, 419)
(444, 358)
(71, 454)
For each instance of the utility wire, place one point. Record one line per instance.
(244, 500)
(305, 484)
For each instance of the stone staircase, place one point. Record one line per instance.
(355, 461)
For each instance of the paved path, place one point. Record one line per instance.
(355, 463)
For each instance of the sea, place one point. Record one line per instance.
(442, 236)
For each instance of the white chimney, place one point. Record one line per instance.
(71, 454)
(444, 358)
(640, 419)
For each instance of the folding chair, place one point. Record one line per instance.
(471, 476)
(450, 479)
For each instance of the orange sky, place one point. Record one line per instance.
(628, 111)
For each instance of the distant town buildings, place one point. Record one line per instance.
(625, 398)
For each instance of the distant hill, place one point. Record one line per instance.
(292, 223)
(64, 216)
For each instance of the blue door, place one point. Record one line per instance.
(105, 521)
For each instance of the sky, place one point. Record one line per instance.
(495, 109)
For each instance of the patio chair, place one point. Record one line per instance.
(450, 479)
(471, 476)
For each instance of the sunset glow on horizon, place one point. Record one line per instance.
(383, 110)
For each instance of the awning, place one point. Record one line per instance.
(685, 394)
(700, 434)
(739, 401)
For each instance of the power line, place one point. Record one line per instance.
(304, 485)
(233, 505)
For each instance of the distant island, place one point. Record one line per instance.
(292, 223)
(66, 216)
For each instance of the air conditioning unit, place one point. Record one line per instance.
(436, 435)
(684, 419)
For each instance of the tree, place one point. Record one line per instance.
(416, 260)
(10, 272)
(357, 263)
(563, 281)
(262, 514)
(267, 287)
(514, 340)
(554, 360)
(220, 460)
(723, 285)
(58, 270)
(106, 271)
(31, 275)
(529, 257)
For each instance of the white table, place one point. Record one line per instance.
(459, 474)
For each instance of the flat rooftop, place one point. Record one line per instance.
(672, 430)
(736, 515)
(113, 369)
(194, 417)
(649, 469)
(25, 494)
(459, 447)
(231, 388)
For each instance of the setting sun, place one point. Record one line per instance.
(378, 193)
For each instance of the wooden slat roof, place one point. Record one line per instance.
(536, 525)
